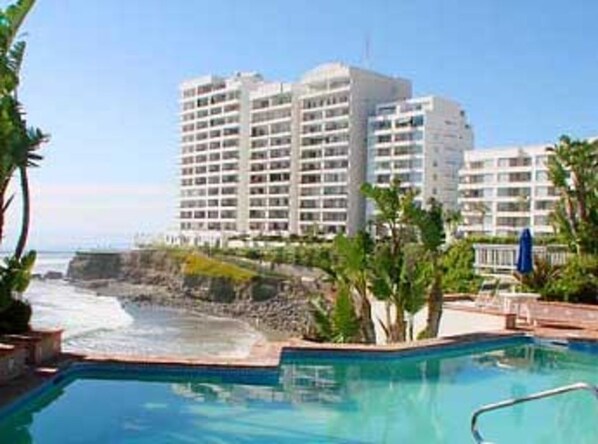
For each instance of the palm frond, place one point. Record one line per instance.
(15, 16)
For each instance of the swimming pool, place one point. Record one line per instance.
(319, 397)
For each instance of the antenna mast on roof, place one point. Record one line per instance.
(367, 48)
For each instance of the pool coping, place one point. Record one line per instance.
(263, 360)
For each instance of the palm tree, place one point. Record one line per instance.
(13, 131)
(430, 222)
(18, 144)
(27, 158)
(572, 170)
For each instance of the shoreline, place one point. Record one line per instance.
(142, 295)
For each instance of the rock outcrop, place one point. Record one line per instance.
(95, 265)
(156, 276)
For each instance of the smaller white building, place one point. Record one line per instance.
(502, 191)
(421, 142)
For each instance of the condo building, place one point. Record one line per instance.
(272, 165)
(420, 142)
(335, 102)
(272, 158)
(215, 156)
(502, 191)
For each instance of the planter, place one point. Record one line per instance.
(41, 346)
(12, 361)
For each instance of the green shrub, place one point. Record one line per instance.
(344, 320)
(542, 275)
(544, 239)
(197, 264)
(577, 282)
(221, 290)
(320, 311)
(459, 276)
(15, 319)
(263, 291)
(337, 323)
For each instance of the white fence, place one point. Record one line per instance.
(502, 259)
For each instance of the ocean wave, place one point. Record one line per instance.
(101, 324)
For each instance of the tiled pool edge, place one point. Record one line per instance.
(419, 351)
(258, 367)
(265, 362)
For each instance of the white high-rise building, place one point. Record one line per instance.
(335, 102)
(271, 158)
(272, 171)
(421, 142)
(502, 191)
(215, 117)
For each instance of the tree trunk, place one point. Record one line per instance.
(1, 217)
(397, 330)
(20, 248)
(435, 300)
(400, 325)
(368, 332)
(4, 203)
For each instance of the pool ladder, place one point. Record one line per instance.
(533, 397)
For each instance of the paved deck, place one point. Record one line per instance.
(545, 315)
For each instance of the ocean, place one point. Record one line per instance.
(104, 325)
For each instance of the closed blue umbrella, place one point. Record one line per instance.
(525, 260)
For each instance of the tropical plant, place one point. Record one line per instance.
(395, 212)
(430, 222)
(572, 169)
(18, 146)
(339, 323)
(543, 274)
(415, 278)
(457, 262)
(322, 320)
(15, 275)
(347, 327)
(577, 281)
(349, 272)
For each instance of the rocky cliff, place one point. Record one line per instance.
(166, 277)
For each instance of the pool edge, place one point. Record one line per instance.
(264, 360)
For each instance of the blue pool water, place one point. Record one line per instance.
(318, 398)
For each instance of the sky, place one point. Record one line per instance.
(101, 76)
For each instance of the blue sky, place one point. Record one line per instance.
(101, 76)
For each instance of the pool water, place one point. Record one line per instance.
(319, 399)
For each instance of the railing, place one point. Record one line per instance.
(511, 402)
(502, 258)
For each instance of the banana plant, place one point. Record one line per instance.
(395, 209)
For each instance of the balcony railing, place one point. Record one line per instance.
(502, 258)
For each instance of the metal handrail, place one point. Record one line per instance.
(511, 402)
